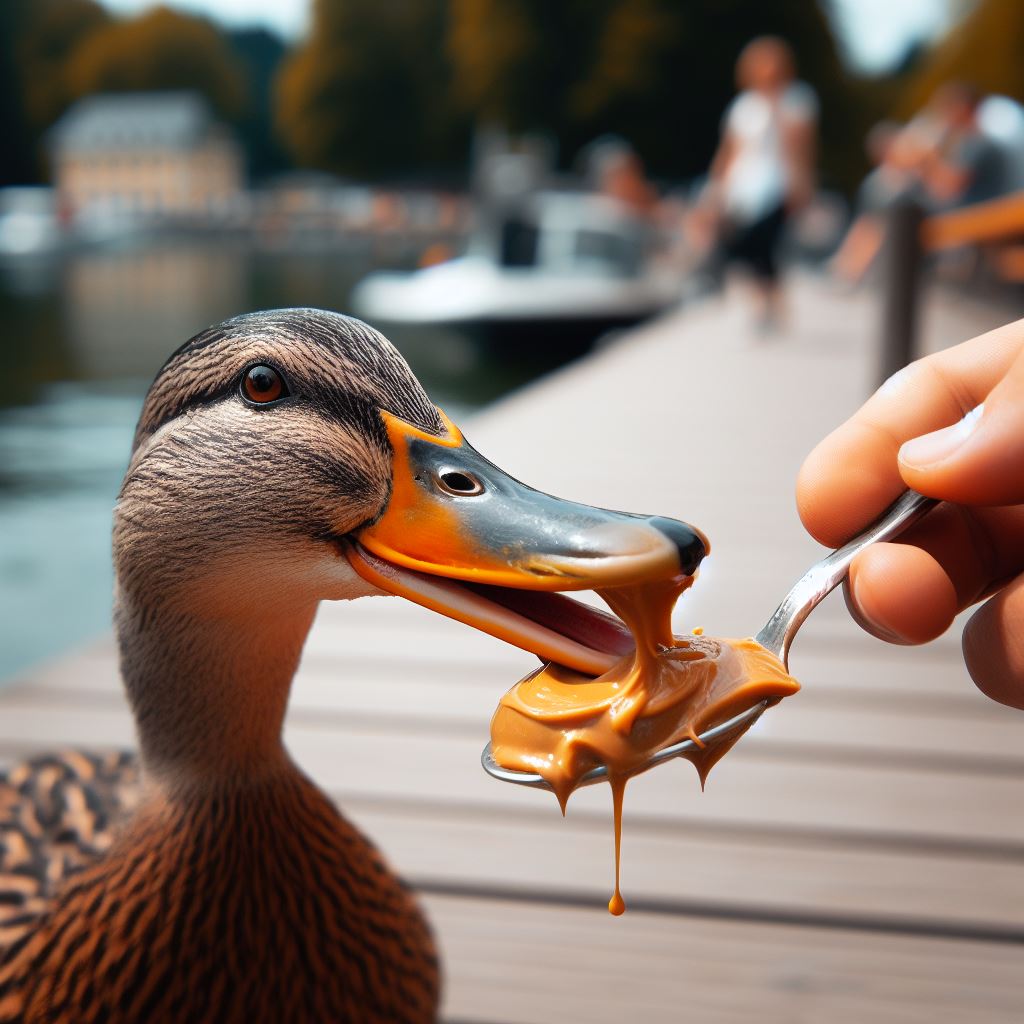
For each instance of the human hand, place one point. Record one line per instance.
(950, 426)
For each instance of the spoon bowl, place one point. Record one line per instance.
(735, 726)
(775, 636)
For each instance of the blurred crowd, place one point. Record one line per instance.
(963, 148)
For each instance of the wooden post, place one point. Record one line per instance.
(901, 265)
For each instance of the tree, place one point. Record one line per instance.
(36, 39)
(16, 164)
(387, 86)
(259, 53)
(985, 49)
(502, 54)
(160, 50)
(54, 31)
(657, 72)
(367, 94)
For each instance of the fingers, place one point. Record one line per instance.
(909, 592)
(855, 472)
(994, 645)
(900, 594)
(980, 459)
(921, 429)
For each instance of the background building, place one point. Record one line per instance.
(160, 155)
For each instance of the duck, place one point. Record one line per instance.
(281, 459)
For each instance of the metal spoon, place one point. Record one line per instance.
(776, 635)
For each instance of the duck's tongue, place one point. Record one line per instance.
(552, 626)
(591, 627)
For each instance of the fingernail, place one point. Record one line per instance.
(929, 449)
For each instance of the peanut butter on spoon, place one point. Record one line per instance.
(557, 729)
(561, 723)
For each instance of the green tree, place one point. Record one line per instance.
(16, 164)
(259, 53)
(36, 39)
(54, 31)
(634, 39)
(367, 94)
(511, 60)
(161, 49)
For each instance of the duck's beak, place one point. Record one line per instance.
(464, 538)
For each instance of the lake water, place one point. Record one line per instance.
(81, 336)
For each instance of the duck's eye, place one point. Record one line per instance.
(263, 384)
(462, 484)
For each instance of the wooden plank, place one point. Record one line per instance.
(350, 643)
(533, 964)
(696, 868)
(788, 877)
(378, 760)
(724, 847)
(906, 727)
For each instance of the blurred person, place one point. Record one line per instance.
(614, 171)
(622, 178)
(943, 159)
(950, 426)
(964, 165)
(763, 171)
(893, 152)
(968, 164)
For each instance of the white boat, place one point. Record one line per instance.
(28, 222)
(557, 268)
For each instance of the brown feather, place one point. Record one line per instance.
(250, 903)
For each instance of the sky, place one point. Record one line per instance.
(874, 33)
(288, 18)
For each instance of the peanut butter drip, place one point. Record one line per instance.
(561, 723)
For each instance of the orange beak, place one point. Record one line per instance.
(462, 537)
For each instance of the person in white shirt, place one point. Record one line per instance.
(763, 170)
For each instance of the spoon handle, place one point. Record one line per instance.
(824, 576)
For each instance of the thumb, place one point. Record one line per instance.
(980, 460)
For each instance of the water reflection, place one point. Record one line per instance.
(126, 311)
(83, 334)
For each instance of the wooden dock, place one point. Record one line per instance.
(859, 856)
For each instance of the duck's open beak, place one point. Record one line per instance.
(462, 537)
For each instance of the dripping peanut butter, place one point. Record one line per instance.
(561, 723)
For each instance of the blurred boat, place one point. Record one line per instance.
(557, 268)
(28, 222)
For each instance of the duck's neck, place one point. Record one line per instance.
(209, 691)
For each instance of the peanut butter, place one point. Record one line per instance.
(561, 723)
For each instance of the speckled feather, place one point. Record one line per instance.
(258, 903)
(58, 814)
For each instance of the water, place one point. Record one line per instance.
(81, 336)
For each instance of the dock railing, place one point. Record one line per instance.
(910, 237)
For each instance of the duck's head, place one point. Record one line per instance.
(292, 455)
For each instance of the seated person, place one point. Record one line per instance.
(965, 165)
(943, 158)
